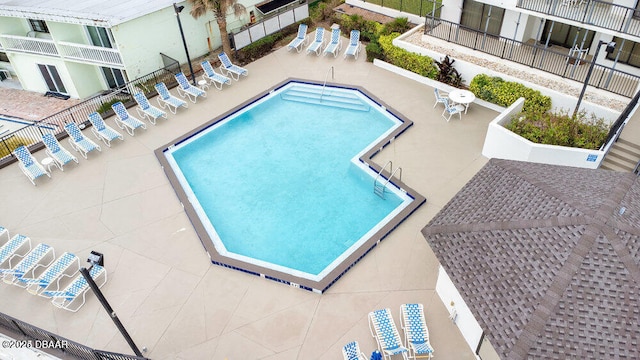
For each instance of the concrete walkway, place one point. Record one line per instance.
(161, 283)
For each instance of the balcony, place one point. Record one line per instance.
(86, 54)
(598, 13)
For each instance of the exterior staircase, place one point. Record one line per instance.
(623, 156)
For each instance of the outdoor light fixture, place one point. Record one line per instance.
(179, 9)
(96, 258)
(611, 46)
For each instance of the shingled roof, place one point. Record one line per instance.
(547, 258)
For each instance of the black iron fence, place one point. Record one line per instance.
(558, 61)
(592, 12)
(617, 126)
(35, 337)
(31, 135)
(417, 7)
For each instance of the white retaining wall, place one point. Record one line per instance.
(386, 11)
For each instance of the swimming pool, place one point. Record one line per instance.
(280, 188)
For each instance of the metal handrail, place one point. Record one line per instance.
(381, 170)
(325, 80)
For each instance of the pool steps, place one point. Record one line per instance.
(330, 97)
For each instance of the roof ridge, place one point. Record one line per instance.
(508, 225)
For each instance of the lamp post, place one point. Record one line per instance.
(178, 10)
(610, 48)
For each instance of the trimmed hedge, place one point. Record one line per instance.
(419, 64)
(504, 93)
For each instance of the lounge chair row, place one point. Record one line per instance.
(37, 270)
(333, 46)
(384, 330)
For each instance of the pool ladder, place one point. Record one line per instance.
(325, 80)
(378, 186)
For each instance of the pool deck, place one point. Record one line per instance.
(168, 295)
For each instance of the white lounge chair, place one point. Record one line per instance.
(64, 299)
(452, 109)
(20, 265)
(354, 44)
(300, 39)
(213, 77)
(416, 333)
(166, 100)
(103, 131)
(29, 165)
(352, 351)
(147, 110)
(60, 155)
(18, 244)
(334, 46)
(439, 97)
(318, 41)
(187, 90)
(4, 231)
(124, 120)
(384, 330)
(40, 277)
(78, 141)
(226, 66)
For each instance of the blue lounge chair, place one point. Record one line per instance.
(334, 46)
(20, 265)
(354, 45)
(64, 299)
(37, 280)
(60, 155)
(18, 244)
(78, 141)
(4, 231)
(187, 90)
(213, 77)
(316, 45)
(352, 351)
(147, 110)
(300, 39)
(226, 66)
(166, 100)
(384, 330)
(29, 165)
(126, 121)
(103, 131)
(416, 333)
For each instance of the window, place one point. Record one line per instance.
(476, 14)
(52, 78)
(629, 52)
(115, 77)
(566, 35)
(39, 26)
(99, 36)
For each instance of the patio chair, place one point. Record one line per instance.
(335, 44)
(41, 277)
(29, 165)
(78, 141)
(124, 120)
(213, 77)
(416, 333)
(452, 109)
(166, 100)
(60, 155)
(354, 45)
(352, 351)
(300, 39)
(384, 330)
(103, 131)
(187, 90)
(4, 231)
(439, 97)
(19, 265)
(226, 66)
(14, 246)
(64, 299)
(318, 40)
(146, 110)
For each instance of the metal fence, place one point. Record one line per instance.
(548, 59)
(55, 344)
(31, 135)
(417, 7)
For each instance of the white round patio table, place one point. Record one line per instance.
(464, 97)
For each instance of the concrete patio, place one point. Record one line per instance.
(173, 301)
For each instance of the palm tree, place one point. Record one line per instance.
(219, 9)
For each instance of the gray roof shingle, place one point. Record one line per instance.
(544, 259)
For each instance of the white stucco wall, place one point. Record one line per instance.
(26, 69)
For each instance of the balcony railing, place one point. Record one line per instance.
(70, 51)
(589, 12)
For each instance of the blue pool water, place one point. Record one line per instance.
(280, 184)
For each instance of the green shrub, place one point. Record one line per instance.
(398, 25)
(259, 47)
(558, 128)
(11, 143)
(416, 63)
(505, 93)
(106, 106)
(374, 51)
